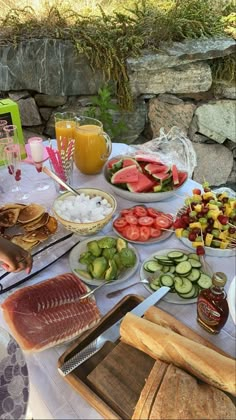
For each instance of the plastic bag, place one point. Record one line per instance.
(171, 148)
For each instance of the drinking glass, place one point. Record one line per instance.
(92, 145)
(12, 158)
(37, 151)
(65, 123)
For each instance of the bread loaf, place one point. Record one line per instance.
(168, 346)
(182, 397)
(166, 320)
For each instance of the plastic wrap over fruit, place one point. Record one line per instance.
(171, 148)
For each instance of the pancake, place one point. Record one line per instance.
(8, 218)
(31, 212)
(51, 225)
(19, 240)
(37, 223)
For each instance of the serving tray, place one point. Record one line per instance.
(111, 381)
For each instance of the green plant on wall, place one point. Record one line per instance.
(102, 107)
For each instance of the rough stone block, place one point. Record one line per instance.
(29, 112)
(50, 100)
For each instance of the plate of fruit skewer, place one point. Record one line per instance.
(207, 221)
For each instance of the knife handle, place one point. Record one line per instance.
(80, 357)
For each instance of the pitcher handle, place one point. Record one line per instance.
(109, 146)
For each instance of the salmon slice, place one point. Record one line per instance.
(50, 313)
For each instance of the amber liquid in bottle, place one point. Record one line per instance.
(212, 308)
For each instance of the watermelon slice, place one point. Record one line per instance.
(143, 184)
(128, 174)
(152, 168)
(161, 176)
(175, 175)
(129, 162)
(182, 177)
(111, 162)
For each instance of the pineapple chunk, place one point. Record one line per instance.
(195, 225)
(232, 204)
(208, 239)
(198, 208)
(178, 232)
(224, 245)
(196, 244)
(223, 195)
(223, 235)
(217, 225)
(227, 209)
(212, 206)
(215, 214)
(207, 195)
(204, 226)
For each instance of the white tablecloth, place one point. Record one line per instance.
(50, 396)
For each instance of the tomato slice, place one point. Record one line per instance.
(123, 212)
(163, 222)
(146, 221)
(131, 232)
(144, 233)
(132, 220)
(155, 233)
(153, 212)
(140, 211)
(120, 223)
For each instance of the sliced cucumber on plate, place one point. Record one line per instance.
(183, 273)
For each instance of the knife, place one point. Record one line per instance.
(111, 334)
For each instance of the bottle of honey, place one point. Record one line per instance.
(212, 305)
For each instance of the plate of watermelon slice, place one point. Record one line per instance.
(143, 178)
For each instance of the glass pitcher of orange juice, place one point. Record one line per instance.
(92, 145)
(65, 127)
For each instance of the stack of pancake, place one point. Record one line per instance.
(31, 224)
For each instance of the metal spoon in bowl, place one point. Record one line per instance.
(144, 281)
(56, 178)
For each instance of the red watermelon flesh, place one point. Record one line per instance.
(153, 168)
(175, 175)
(124, 175)
(142, 185)
(111, 162)
(182, 177)
(129, 162)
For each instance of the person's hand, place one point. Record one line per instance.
(14, 258)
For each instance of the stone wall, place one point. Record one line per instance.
(173, 87)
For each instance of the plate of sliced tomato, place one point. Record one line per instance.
(143, 224)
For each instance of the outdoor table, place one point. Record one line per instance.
(51, 397)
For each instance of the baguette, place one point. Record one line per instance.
(181, 397)
(168, 346)
(166, 320)
(150, 389)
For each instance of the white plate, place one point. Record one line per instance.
(211, 252)
(165, 235)
(232, 299)
(170, 297)
(139, 197)
(14, 392)
(82, 247)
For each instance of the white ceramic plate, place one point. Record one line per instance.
(211, 252)
(165, 235)
(170, 297)
(232, 299)
(81, 247)
(14, 393)
(139, 197)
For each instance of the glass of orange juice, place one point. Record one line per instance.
(92, 145)
(65, 127)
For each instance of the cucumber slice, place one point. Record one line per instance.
(154, 286)
(183, 258)
(183, 268)
(196, 290)
(175, 255)
(188, 295)
(183, 287)
(171, 269)
(152, 266)
(204, 281)
(163, 260)
(156, 281)
(194, 256)
(194, 275)
(194, 263)
(167, 280)
(167, 268)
